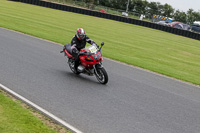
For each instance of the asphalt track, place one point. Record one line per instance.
(133, 101)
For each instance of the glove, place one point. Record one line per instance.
(75, 52)
(94, 44)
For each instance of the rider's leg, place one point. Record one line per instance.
(77, 60)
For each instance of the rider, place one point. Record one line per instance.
(78, 42)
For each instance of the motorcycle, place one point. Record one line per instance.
(90, 62)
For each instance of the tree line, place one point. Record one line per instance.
(149, 9)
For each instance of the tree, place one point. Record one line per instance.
(91, 5)
(196, 16)
(119, 4)
(104, 3)
(154, 8)
(180, 16)
(190, 16)
(140, 6)
(168, 11)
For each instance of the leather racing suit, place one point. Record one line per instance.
(77, 45)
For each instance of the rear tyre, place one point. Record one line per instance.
(101, 75)
(71, 65)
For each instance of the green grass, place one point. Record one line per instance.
(16, 119)
(158, 51)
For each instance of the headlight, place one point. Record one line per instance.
(88, 58)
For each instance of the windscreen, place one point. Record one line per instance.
(92, 49)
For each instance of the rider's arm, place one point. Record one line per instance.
(74, 47)
(90, 41)
(73, 43)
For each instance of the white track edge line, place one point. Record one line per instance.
(68, 126)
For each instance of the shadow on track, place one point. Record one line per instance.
(81, 79)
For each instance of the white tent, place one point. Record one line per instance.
(197, 23)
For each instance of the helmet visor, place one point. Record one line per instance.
(82, 36)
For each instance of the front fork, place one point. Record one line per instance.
(96, 67)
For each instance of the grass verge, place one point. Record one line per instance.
(158, 51)
(17, 117)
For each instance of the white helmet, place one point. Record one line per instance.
(80, 34)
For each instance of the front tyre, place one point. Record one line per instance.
(101, 75)
(71, 66)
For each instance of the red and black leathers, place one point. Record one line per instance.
(77, 45)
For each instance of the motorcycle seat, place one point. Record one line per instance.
(68, 48)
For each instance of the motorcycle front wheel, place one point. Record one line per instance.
(101, 75)
(71, 66)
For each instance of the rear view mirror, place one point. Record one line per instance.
(102, 43)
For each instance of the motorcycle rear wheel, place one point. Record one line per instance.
(101, 75)
(71, 66)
